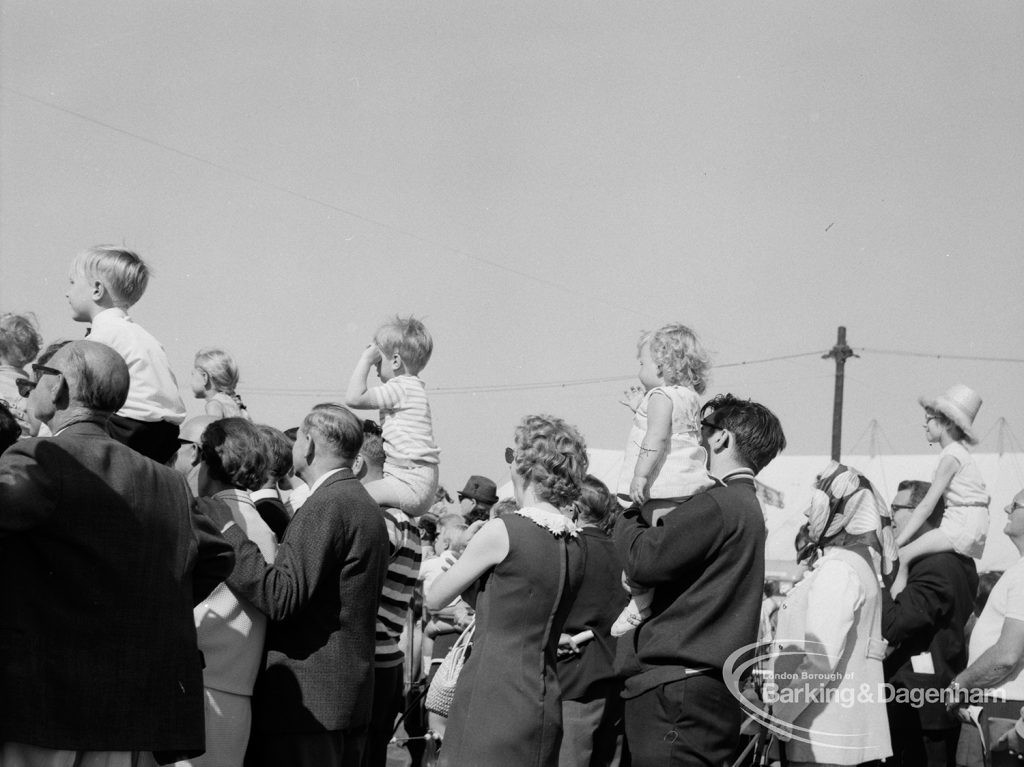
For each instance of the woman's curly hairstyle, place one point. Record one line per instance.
(232, 450)
(19, 339)
(552, 456)
(681, 356)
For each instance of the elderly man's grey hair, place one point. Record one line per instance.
(97, 375)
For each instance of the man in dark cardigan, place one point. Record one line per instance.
(312, 702)
(103, 554)
(705, 561)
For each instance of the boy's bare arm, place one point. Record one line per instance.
(357, 395)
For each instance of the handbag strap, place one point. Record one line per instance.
(466, 636)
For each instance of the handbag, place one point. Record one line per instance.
(442, 687)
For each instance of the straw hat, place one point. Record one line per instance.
(959, 404)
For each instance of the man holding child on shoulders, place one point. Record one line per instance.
(705, 562)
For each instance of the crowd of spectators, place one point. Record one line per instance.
(216, 591)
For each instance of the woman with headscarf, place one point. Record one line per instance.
(826, 691)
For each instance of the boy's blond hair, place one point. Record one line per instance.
(408, 337)
(123, 273)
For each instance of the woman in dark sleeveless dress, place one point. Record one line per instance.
(525, 567)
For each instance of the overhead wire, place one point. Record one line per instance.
(487, 388)
(931, 355)
(330, 206)
(535, 385)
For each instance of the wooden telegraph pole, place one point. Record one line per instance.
(840, 353)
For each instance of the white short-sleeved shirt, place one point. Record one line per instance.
(1005, 601)
(405, 420)
(153, 391)
(966, 488)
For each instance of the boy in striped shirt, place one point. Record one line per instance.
(401, 348)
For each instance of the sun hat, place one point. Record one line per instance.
(480, 489)
(960, 405)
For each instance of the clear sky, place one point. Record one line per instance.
(539, 182)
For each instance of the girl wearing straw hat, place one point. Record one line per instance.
(949, 420)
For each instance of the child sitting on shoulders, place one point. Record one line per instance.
(19, 344)
(664, 462)
(949, 420)
(214, 378)
(105, 282)
(401, 348)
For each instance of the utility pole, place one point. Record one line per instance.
(840, 353)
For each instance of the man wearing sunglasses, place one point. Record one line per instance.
(705, 561)
(925, 627)
(103, 555)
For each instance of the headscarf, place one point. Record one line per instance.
(846, 509)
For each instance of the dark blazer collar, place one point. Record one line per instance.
(739, 476)
(92, 423)
(338, 476)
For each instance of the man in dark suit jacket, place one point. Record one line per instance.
(102, 556)
(311, 705)
(705, 560)
(925, 626)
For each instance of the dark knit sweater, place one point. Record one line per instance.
(705, 561)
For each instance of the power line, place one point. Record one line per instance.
(535, 385)
(517, 386)
(898, 353)
(330, 206)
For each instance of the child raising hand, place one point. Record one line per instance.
(401, 348)
(664, 462)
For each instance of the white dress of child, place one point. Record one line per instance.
(682, 471)
(965, 521)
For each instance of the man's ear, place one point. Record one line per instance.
(60, 393)
(719, 440)
(359, 467)
(310, 450)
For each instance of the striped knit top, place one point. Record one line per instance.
(403, 572)
(405, 421)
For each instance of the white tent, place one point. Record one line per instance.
(786, 491)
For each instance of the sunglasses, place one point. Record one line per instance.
(26, 386)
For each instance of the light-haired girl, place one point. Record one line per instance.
(949, 421)
(214, 378)
(664, 462)
(19, 344)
